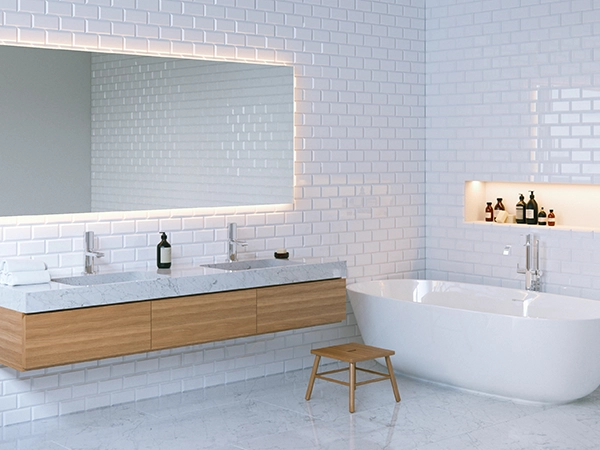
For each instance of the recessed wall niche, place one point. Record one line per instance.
(575, 205)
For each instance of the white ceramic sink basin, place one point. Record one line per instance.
(106, 278)
(252, 264)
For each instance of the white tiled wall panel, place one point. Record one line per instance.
(175, 133)
(359, 174)
(512, 95)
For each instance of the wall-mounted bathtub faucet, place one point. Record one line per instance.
(232, 242)
(532, 264)
(89, 253)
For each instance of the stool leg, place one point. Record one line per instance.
(352, 385)
(311, 382)
(388, 361)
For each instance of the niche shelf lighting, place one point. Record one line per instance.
(575, 205)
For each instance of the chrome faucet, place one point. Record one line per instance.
(232, 242)
(89, 253)
(532, 264)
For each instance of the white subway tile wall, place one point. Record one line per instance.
(512, 95)
(359, 175)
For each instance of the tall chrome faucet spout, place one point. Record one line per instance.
(89, 254)
(532, 270)
(232, 242)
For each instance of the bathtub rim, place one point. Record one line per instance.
(596, 303)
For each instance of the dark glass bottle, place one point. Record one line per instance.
(520, 215)
(499, 207)
(489, 212)
(551, 218)
(163, 253)
(531, 210)
(542, 217)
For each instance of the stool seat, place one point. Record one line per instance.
(352, 353)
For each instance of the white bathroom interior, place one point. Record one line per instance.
(407, 117)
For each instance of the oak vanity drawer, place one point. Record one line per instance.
(300, 305)
(202, 318)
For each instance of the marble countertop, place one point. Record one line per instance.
(55, 296)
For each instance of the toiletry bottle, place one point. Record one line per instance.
(551, 218)
(163, 253)
(499, 207)
(489, 212)
(520, 215)
(531, 211)
(542, 217)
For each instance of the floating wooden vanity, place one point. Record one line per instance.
(45, 339)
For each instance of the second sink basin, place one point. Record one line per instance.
(106, 278)
(252, 264)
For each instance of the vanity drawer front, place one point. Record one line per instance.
(300, 305)
(76, 335)
(203, 318)
(11, 338)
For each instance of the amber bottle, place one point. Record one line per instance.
(551, 218)
(499, 207)
(489, 212)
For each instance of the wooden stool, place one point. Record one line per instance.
(352, 353)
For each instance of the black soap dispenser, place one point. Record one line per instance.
(163, 253)
(520, 209)
(531, 211)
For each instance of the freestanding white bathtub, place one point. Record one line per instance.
(522, 345)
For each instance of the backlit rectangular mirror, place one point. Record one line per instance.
(96, 132)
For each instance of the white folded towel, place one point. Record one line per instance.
(21, 265)
(22, 278)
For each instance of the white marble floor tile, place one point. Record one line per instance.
(209, 428)
(271, 414)
(551, 429)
